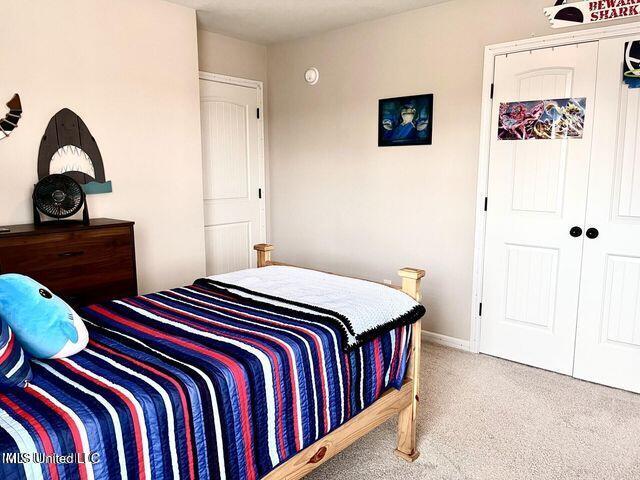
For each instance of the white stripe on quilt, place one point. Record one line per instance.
(173, 452)
(338, 364)
(323, 365)
(17, 366)
(143, 426)
(25, 443)
(6, 345)
(108, 407)
(262, 358)
(84, 439)
(392, 337)
(406, 345)
(214, 399)
(362, 373)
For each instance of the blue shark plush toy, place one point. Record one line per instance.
(45, 325)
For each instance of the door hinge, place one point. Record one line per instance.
(260, 193)
(258, 111)
(480, 310)
(492, 89)
(486, 203)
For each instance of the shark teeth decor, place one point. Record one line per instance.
(68, 147)
(71, 159)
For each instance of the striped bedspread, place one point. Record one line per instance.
(190, 383)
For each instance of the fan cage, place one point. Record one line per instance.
(58, 196)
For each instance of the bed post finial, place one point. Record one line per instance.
(407, 442)
(411, 278)
(264, 253)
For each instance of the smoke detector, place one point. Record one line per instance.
(312, 76)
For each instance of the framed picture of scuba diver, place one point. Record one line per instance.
(405, 121)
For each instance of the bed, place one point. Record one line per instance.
(211, 381)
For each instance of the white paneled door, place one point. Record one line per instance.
(537, 194)
(561, 287)
(608, 335)
(233, 173)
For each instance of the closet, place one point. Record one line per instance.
(561, 282)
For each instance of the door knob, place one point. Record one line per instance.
(575, 232)
(592, 233)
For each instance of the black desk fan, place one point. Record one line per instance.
(59, 197)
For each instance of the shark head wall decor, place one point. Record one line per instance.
(68, 148)
(10, 121)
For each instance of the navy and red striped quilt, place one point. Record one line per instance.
(191, 383)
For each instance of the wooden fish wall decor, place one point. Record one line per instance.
(10, 121)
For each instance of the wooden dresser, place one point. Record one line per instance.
(83, 264)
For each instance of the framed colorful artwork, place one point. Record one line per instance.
(555, 119)
(405, 121)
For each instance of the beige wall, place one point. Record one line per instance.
(229, 56)
(129, 69)
(341, 203)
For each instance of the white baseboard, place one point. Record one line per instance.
(440, 339)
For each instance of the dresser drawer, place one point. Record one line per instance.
(83, 266)
(89, 248)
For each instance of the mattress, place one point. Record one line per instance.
(194, 383)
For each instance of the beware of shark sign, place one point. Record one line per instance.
(583, 12)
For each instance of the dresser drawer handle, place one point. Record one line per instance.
(71, 254)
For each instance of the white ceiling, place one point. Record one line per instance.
(272, 21)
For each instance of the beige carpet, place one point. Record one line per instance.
(486, 418)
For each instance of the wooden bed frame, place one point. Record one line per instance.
(403, 402)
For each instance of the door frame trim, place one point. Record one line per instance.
(490, 53)
(259, 86)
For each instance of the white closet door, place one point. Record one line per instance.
(537, 193)
(608, 338)
(233, 169)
